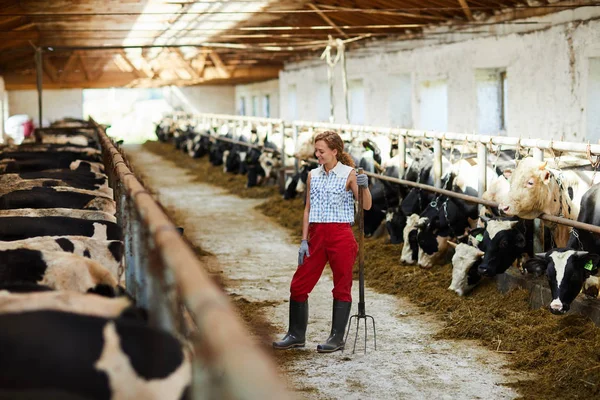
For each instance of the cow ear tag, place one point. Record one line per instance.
(589, 265)
(479, 237)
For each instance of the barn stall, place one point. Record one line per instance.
(514, 79)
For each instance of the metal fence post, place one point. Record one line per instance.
(401, 155)
(482, 153)
(538, 224)
(295, 139)
(437, 162)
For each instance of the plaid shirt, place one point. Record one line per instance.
(329, 199)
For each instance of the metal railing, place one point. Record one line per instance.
(162, 272)
(482, 142)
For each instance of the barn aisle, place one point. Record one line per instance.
(258, 259)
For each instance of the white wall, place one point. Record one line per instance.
(546, 72)
(56, 104)
(202, 99)
(258, 91)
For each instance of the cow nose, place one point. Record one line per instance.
(483, 270)
(556, 307)
(504, 208)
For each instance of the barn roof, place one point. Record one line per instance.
(149, 43)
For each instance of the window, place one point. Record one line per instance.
(323, 101)
(292, 107)
(433, 108)
(242, 110)
(356, 102)
(267, 106)
(593, 101)
(400, 101)
(491, 101)
(255, 106)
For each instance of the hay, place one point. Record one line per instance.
(562, 351)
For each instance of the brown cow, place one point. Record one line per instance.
(536, 189)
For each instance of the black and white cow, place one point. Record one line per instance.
(19, 228)
(64, 301)
(567, 270)
(57, 197)
(87, 166)
(55, 269)
(59, 212)
(491, 251)
(90, 357)
(53, 178)
(109, 253)
(465, 262)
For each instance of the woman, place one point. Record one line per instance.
(326, 237)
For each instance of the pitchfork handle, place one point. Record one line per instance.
(361, 250)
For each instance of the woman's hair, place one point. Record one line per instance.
(334, 142)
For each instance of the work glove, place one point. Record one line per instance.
(303, 252)
(362, 180)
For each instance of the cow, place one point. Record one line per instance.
(581, 239)
(199, 145)
(90, 357)
(503, 242)
(109, 253)
(490, 252)
(51, 197)
(52, 178)
(60, 156)
(55, 269)
(567, 270)
(536, 189)
(19, 228)
(59, 212)
(65, 301)
(410, 249)
(465, 261)
(87, 166)
(41, 164)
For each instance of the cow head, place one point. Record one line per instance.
(567, 270)
(529, 190)
(465, 261)
(411, 247)
(502, 243)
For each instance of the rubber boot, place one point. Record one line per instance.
(341, 313)
(295, 336)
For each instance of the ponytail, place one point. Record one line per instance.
(345, 159)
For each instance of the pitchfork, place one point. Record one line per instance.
(361, 276)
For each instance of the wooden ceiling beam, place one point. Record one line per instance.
(135, 70)
(50, 69)
(384, 12)
(466, 9)
(219, 64)
(72, 60)
(185, 64)
(327, 19)
(200, 62)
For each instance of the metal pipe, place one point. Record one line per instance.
(39, 77)
(482, 166)
(401, 155)
(538, 225)
(477, 200)
(295, 138)
(224, 348)
(437, 162)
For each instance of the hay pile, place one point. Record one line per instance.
(563, 351)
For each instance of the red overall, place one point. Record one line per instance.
(333, 242)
